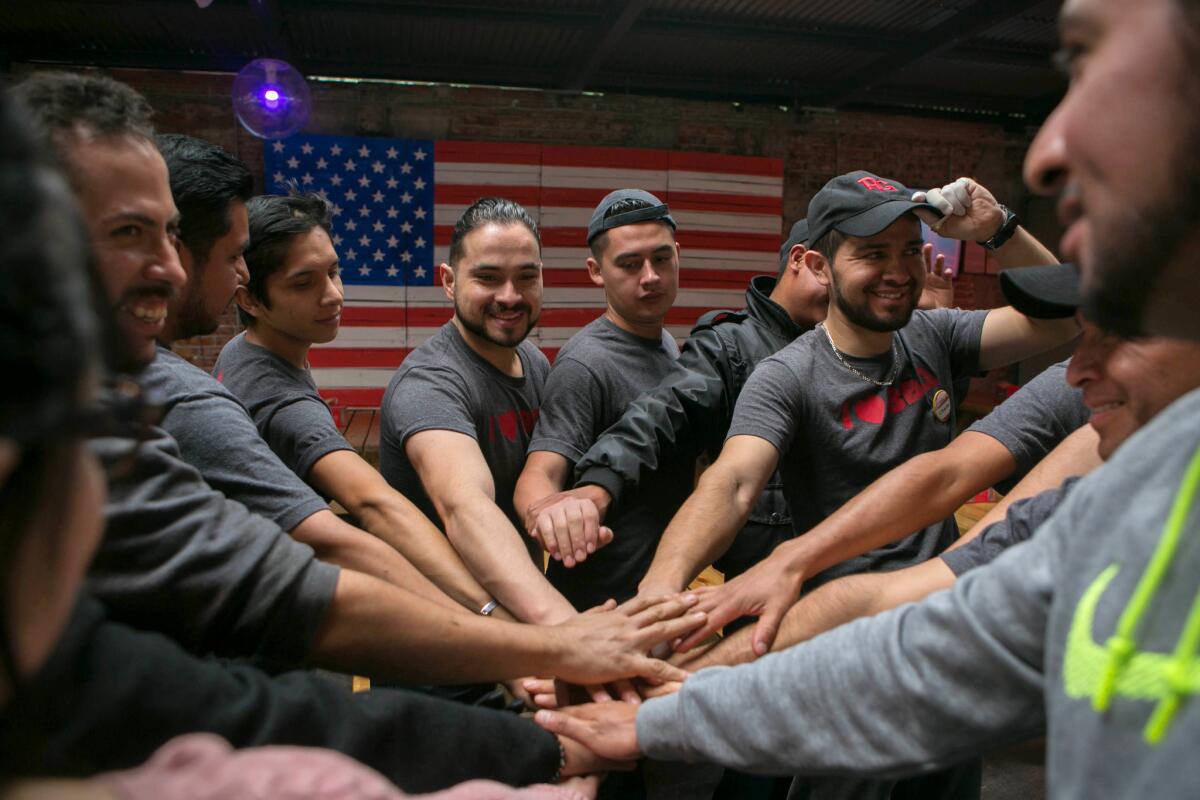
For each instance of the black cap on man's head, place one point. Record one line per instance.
(798, 235)
(1050, 292)
(655, 211)
(859, 204)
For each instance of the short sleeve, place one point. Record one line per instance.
(567, 419)
(769, 405)
(1035, 420)
(302, 432)
(251, 473)
(428, 399)
(1024, 517)
(962, 331)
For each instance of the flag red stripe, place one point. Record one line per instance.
(434, 316)
(690, 201)
(688, 278)
(700, 240)
(467, 193)
(357, 356)
(490, 152)
(731, 165)
(607, 157)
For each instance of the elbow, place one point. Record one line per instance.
(741, 492)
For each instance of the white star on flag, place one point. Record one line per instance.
(392, 183)
(336, 180)
(337, 240)
(322, 163)
(364, 270)
(419, 154)
(349, 165)
(306, 178)
(419, 272)
(293, 162)
(351, 225)
(405, 168)
(352, 254)
(279, 177)
(378, 196)
(406, 198)
(364, 181)
(351, 195)
(419, 184)
(419, 213)
(363, 152)
(420, 241)
(377, 167)
(335, 151)
(321, 193)
(336, 210)
(392, 241)
(377, 255)
(392, 152)
(406, 227)
(392, 271)
(377, 226)
(306, 148)
(392, 213)
(406, 256)
(364, 240)
(277, 146)
(363, 211)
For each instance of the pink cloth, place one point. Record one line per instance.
(201, 766)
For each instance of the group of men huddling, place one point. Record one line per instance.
(823, 415)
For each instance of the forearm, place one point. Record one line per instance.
(381, 630)
(922, 491)
(1023, 250)
(401, 525)
(700, 532)
(496, 556)
(532, 486)
(338, 543)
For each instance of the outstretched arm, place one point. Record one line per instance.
(390, 516)
(572, 529)
(459, 483)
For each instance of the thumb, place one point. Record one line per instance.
(764, 632)
(606, 535)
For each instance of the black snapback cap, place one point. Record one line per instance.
(1048, 292)
(859, 203)
(657, 211)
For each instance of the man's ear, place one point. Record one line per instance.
(247, 302)
(795, 262)
(447, 275)
(593, 268)
(816, 263)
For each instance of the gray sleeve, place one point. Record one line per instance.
(429, 399)
(910, 690)
(1035, 420)
(1019, 523)
(218, 438)
(180, 558)
(963, 334)
(567, 419)
(302, 432)
(769, 406)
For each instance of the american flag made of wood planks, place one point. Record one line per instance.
(395, 202)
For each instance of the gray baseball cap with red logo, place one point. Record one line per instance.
(859, 204)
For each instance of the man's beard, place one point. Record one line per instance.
(479, 326)
(1130, 258)
(861, 315)
(192, 319)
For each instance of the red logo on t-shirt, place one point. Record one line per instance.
(506, 423)
(872, 184)
(873, 408)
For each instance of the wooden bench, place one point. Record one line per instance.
(360, 426)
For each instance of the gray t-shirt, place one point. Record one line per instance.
(180, 558)
(1035, 420)
(283, 401)
(445, 385)
(1019, 524)
(216, 435)
(836, 433)
(595, 377)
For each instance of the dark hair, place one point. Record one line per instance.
(620, 207)
(65, 105)
(487, 211)
(275, 220)
(828, 244)
(204, 181)
(48, 333)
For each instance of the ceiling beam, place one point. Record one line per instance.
(978, 18)
(581, 74)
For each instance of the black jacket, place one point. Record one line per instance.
(109, 696)
(688, 414)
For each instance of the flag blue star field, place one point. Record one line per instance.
(381, 195)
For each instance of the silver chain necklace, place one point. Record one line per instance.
(891, 378)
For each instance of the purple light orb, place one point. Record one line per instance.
(271, 98)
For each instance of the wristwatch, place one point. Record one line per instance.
(1007, 229)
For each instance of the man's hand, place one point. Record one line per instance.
(608, 645)
(581, 760)
(766, 590)
(970, 211)
(939, 282)
(607, 729)
(567, 524)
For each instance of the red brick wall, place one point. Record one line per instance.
(814, 146)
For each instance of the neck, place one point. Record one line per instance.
(855, 340)
(645, 330)
(505, 359)
(290, 349)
